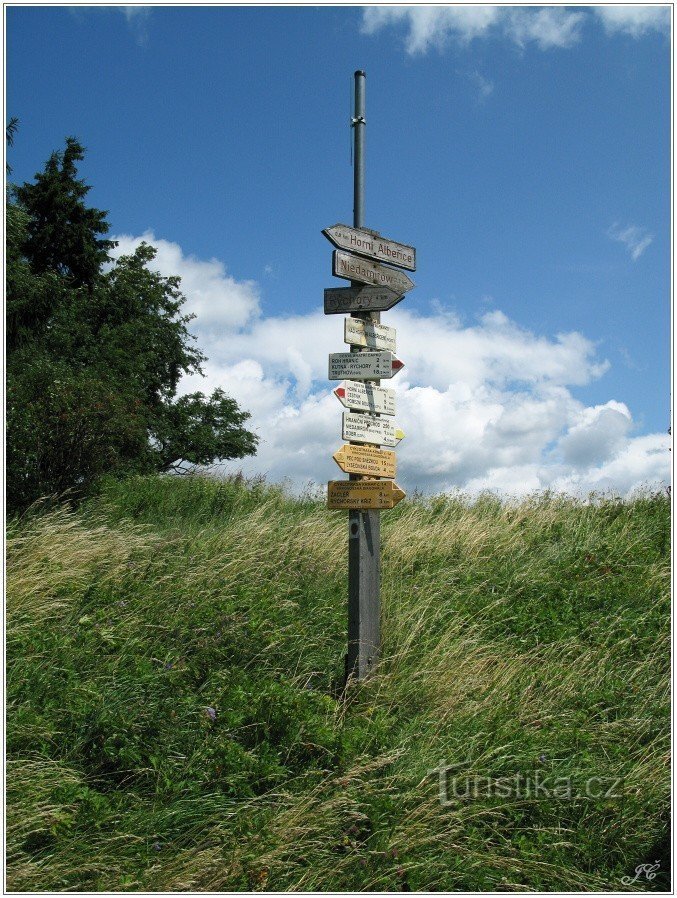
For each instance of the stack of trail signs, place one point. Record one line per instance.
(372, 264)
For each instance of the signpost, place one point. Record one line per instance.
(363, 366)
(375, 287)
(361, 494)
(369, 334)
(359, 298)
(359, 428)
(367, 272)
(366, 397)
(371, 245)
(366, 460)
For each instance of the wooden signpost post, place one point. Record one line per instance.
(372, 264)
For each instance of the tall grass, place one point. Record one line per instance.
(175, 724)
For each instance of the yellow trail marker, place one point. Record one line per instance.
(366, 460)
(363, 494)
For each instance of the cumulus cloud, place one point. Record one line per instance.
(545, 27)
(219, 301)
(484, 405)
(635, 21)
(635, 239)
(597, 436)
(549, 27)
(433, 26)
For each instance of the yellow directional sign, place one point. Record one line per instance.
(363, 494)
(365, 460)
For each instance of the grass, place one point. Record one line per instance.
(173, 723)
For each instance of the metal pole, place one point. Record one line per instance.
(359, 124)
(364, 527)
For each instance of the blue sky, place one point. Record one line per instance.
(525, 152)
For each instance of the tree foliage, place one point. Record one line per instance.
(95, 352)
(62, 233)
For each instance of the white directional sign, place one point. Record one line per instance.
(366, 397)
(363, 365)
(362, 298)
(370, 429)
(367, 272)
(365, 244)
(369, 333)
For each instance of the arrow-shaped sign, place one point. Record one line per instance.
(363, 494)
(367, 272)
(370, 334)
(366, 244)
(363, 365)
(366, 460)
(366, 397)
(360, 428)
(338, 300)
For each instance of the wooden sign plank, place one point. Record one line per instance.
(366, 397)
(366, 460)
(369, 334)
(367, 272)
(371, 245)
(363, 365)
(360, 428)
(363, 494)
(339, 300)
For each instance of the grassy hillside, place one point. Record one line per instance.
(173, 724)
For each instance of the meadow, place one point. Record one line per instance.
(176, 721)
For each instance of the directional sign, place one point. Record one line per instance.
(359, 428)
(369, 333)
(367, 272)
(366, 397)
(363, 365)
(366, 460)
(363, 494)
(365, 244)
(338, 300)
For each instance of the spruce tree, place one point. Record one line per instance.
(63, 234)
(94, 357)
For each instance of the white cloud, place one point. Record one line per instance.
(137, 19)
(434, 25)
(635, 21)
(642, 462)
(549, 27)
(636, 239)
(486, 405)
(217, 299)
(597, 436)
(134, 13)
(485, 86)
(546, 27)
